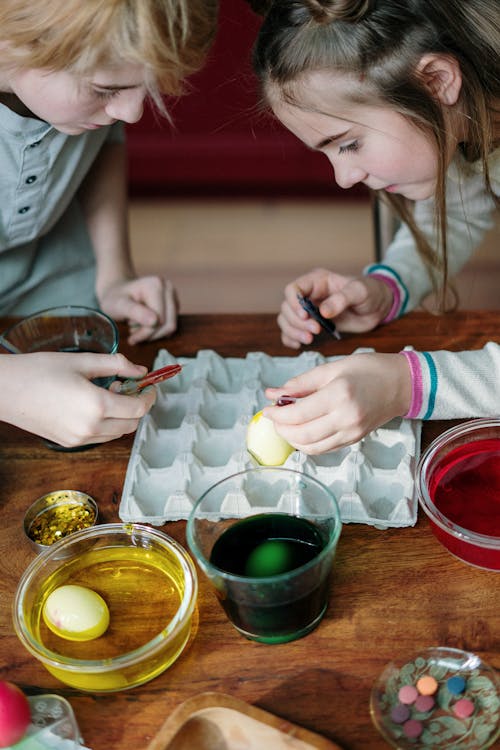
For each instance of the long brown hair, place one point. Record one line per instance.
(381, 42)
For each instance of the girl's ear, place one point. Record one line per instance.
(441, 74)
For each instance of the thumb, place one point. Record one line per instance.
(305, 384)
(353, 293)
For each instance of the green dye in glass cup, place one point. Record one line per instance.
(266, 539)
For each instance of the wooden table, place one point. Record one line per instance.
(393, 591)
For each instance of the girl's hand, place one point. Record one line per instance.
(354, 304)
(51, 394)
(340, 402)
(148, 303)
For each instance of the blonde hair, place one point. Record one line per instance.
(381, 43)
(170, 38)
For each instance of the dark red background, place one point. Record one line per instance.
(222, 144)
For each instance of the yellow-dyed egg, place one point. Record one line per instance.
(76, 613)
(263, 442)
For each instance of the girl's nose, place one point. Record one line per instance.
(127, 106)
(348, 175)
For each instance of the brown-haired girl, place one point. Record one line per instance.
(404, 98)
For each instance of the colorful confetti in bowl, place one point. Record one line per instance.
(440, 698)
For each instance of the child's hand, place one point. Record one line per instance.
(51, 394)
(340, 402)
(148, 303)
(354, 304)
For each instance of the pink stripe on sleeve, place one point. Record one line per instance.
(416, 384)
(396, 296)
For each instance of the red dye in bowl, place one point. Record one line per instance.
(465, 486)
(459, 489)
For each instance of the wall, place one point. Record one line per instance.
(222, 143)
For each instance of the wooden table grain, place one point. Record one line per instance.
(393, 591)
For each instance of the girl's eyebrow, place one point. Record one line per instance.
(329, 139)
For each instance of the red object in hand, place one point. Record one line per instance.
(129, 387)
(15, 714)
(286, 400)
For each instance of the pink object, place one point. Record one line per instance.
(396, 296)
(463, 708)
(15, 714)
(413, 728)
(416, 384)
(408, 694)
(424, 703)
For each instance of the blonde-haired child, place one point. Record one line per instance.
(405, 98)
(71, 73)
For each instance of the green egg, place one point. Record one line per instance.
(268, 559)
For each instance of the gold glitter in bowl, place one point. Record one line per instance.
(57, 515)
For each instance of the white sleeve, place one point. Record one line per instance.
(469, 216)
(455, 385)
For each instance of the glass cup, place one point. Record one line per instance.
(68, 328)
(266, 538)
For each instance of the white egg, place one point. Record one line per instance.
(264, 443)
(76, 613)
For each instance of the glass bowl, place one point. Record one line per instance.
(150, 585)
(458, 485)
(463, 684)
(69, 328)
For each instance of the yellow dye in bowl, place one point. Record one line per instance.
(150, 593)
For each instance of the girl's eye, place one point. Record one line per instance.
(353, 146)
(106, 93)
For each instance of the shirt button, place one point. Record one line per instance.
(24, 209)
(31, 179)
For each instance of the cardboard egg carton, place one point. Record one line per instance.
(195, 435)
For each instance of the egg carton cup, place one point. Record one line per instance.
(195, 435)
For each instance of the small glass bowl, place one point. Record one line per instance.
(69, 328)
(56, 515)
(440, 726)
(462, 467)
(147, 580)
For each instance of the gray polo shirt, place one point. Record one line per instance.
(46, 257)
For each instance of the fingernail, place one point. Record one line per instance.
(285, 400)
